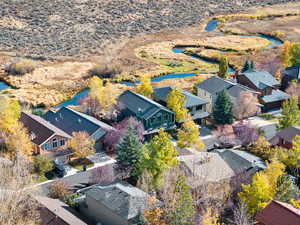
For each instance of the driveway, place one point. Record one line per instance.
(269, 127)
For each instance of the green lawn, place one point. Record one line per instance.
(78, 163)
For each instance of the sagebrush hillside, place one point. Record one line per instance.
(75, 27)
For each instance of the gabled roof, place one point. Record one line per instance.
(289, 133)
(241, 160)
(120, 197)
(277, 95)
(191, 100)
(55, 212)
(71, 121)
(40, 129)
(279, 213)
(293, 71)
(216, 84)
(140, 105)
(261, 79)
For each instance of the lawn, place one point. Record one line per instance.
(78, 163)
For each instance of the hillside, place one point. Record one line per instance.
(76, 27)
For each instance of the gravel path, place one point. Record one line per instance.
(66, 27)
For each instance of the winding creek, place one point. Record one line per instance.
(210, 27)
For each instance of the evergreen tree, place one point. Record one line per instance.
(175, 102)
(286, 189)
(290, 113)
(129, 151)
(145, 88)
(159, 155)
(223, 67)
(248, 66)
(223, 109)
(184, 211)
(295, 54)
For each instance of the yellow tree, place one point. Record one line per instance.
(286, 56)
(10, 111)
(154, 214)
(18, 140)
(262, 148)
(263, 187)
(145, 88)
(291, 157)
(296, 203)
(176, 102)
(209, 218)
(96, 87)
(189, 136)
(82, 144)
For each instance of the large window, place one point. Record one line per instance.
(62, 142)
(199, 107)
(54, 143)
(47, 146)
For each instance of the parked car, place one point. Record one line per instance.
(61, 170)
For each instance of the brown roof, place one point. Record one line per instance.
(279, 213)
(41, 128)
(55, 212)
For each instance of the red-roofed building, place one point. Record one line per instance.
(279, 213)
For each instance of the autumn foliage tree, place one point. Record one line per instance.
(82, 144)
(154, 214)
(223, 67)
(286, 55)
(246, 105)
(290, 113)
(262, 148)
(263, 187)
(59, 190)
(159, 155)
(189, 136)
(291, 157)
(295, 54)
(145, 88)
(176, 102)
(294, 90)
(210, 218)
(10, 111)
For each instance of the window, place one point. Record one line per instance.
(47, 146)
(198, 107)
(54, 143)
(62, 142)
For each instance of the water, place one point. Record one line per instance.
(75, 100)
(3, 86)
(211, 25)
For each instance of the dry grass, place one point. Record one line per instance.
(22, 67)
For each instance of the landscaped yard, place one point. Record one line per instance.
(79, 163)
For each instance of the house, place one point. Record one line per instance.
(268, 87)
(285, 137)
(55, 212)
(278, 213)
(288, 75)
(210, 88)
(150, 113)
(70, 120)
(116, 203)
(193, 103)
(45, 136)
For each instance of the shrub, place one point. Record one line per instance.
(70, 200)
(174, 64)
(106, 71)
(59, 190)
(21, 67)
(42, 165)
(267, 116)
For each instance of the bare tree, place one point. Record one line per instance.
(241, 216)
(294, 90)
(16, 203)
(246, 105)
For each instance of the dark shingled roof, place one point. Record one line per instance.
(41, 129)
(140, 105)
(191, 100)
(261, 79)
(279, 213)
(71, 121)
(216, 84)
(293, 71)
(120, 197)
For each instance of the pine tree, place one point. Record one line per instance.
(159, 155)
(175, 102)
(290, 113)
(189, 136)
(223, 109)
(145, 88)
(129, 151)
(295, 54)
(184, 210)
(286, 56)
(223, 67)
(248, 66)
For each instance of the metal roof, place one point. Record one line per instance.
(261, 79)
(277, 95)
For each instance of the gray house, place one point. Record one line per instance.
(152, 114)
(118, 203)
(69, 121)
(288, 75)
(210, 88)
(193, 103)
